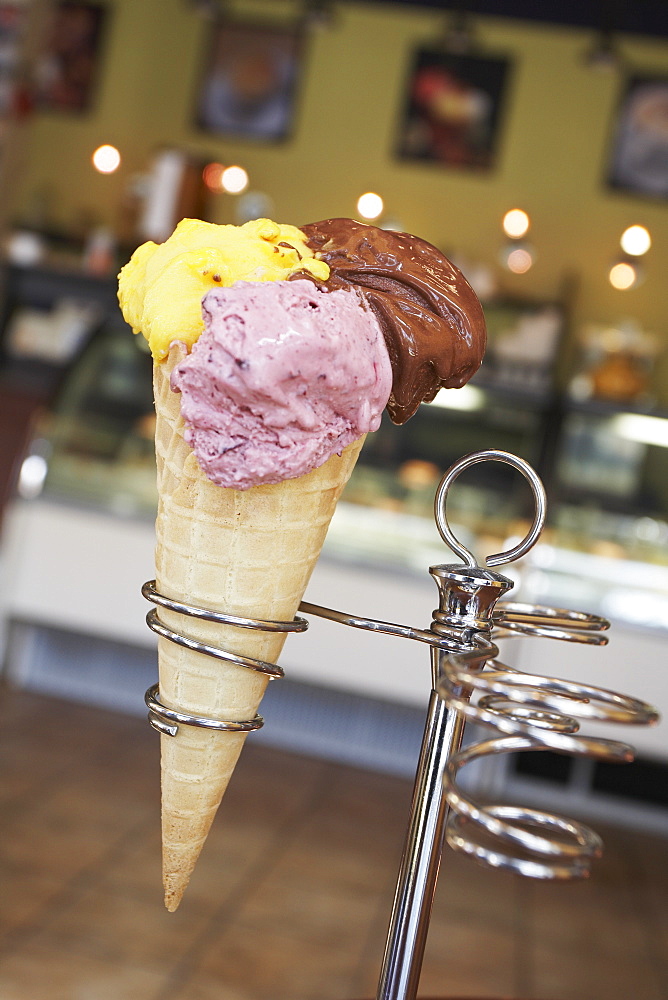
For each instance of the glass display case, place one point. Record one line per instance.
(607, 548)
(95, 445)
(606, 472)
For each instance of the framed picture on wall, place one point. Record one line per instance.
(639, 155)
(250, 81)
(12, 24)
(452, 109)
(68, 68)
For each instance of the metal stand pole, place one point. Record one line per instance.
(418, 872)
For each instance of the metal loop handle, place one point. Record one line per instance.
(537, 488)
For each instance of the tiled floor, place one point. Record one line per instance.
(291, 897)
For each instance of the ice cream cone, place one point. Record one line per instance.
(247, 553)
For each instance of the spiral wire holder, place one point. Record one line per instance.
(529, 711)
(167, 720)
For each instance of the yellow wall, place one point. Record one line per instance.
(552, 155)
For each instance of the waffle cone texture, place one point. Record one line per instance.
(246, 553)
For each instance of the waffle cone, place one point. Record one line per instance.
(248, 553)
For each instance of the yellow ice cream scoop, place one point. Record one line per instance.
(160, 289)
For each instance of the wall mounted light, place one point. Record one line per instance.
(106, 159)
(234, 180)
(370, 205)
(627, 272)
(219, 178)
(516, 223)
(516, 254)
(212, 176)
(518, 259)
(635, 241)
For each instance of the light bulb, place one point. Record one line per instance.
(370, 205)
(519, 260)
(106, 159)
(212, 175)
(234, 180)
(622, 276)
(516, 223)
(635, 241)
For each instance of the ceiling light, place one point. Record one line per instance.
(516, 223)
(234, 180)
(623, 275)
(370, 205)
(212, 175)
(635, 241)
(106, 159)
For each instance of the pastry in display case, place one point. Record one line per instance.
(388, 504)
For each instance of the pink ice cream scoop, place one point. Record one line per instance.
(283, 377)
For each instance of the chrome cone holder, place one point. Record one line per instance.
(529, 711)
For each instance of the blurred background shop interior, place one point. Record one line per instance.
(529, 142)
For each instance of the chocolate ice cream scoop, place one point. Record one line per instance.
(431, 318)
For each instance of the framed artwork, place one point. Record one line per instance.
(12, 24)
(250, 81)
(68, 68)
(452, 109)
(639, 155)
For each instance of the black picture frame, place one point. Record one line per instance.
(68, 68)
(249, 86)
(638, 161)
(452, 109)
